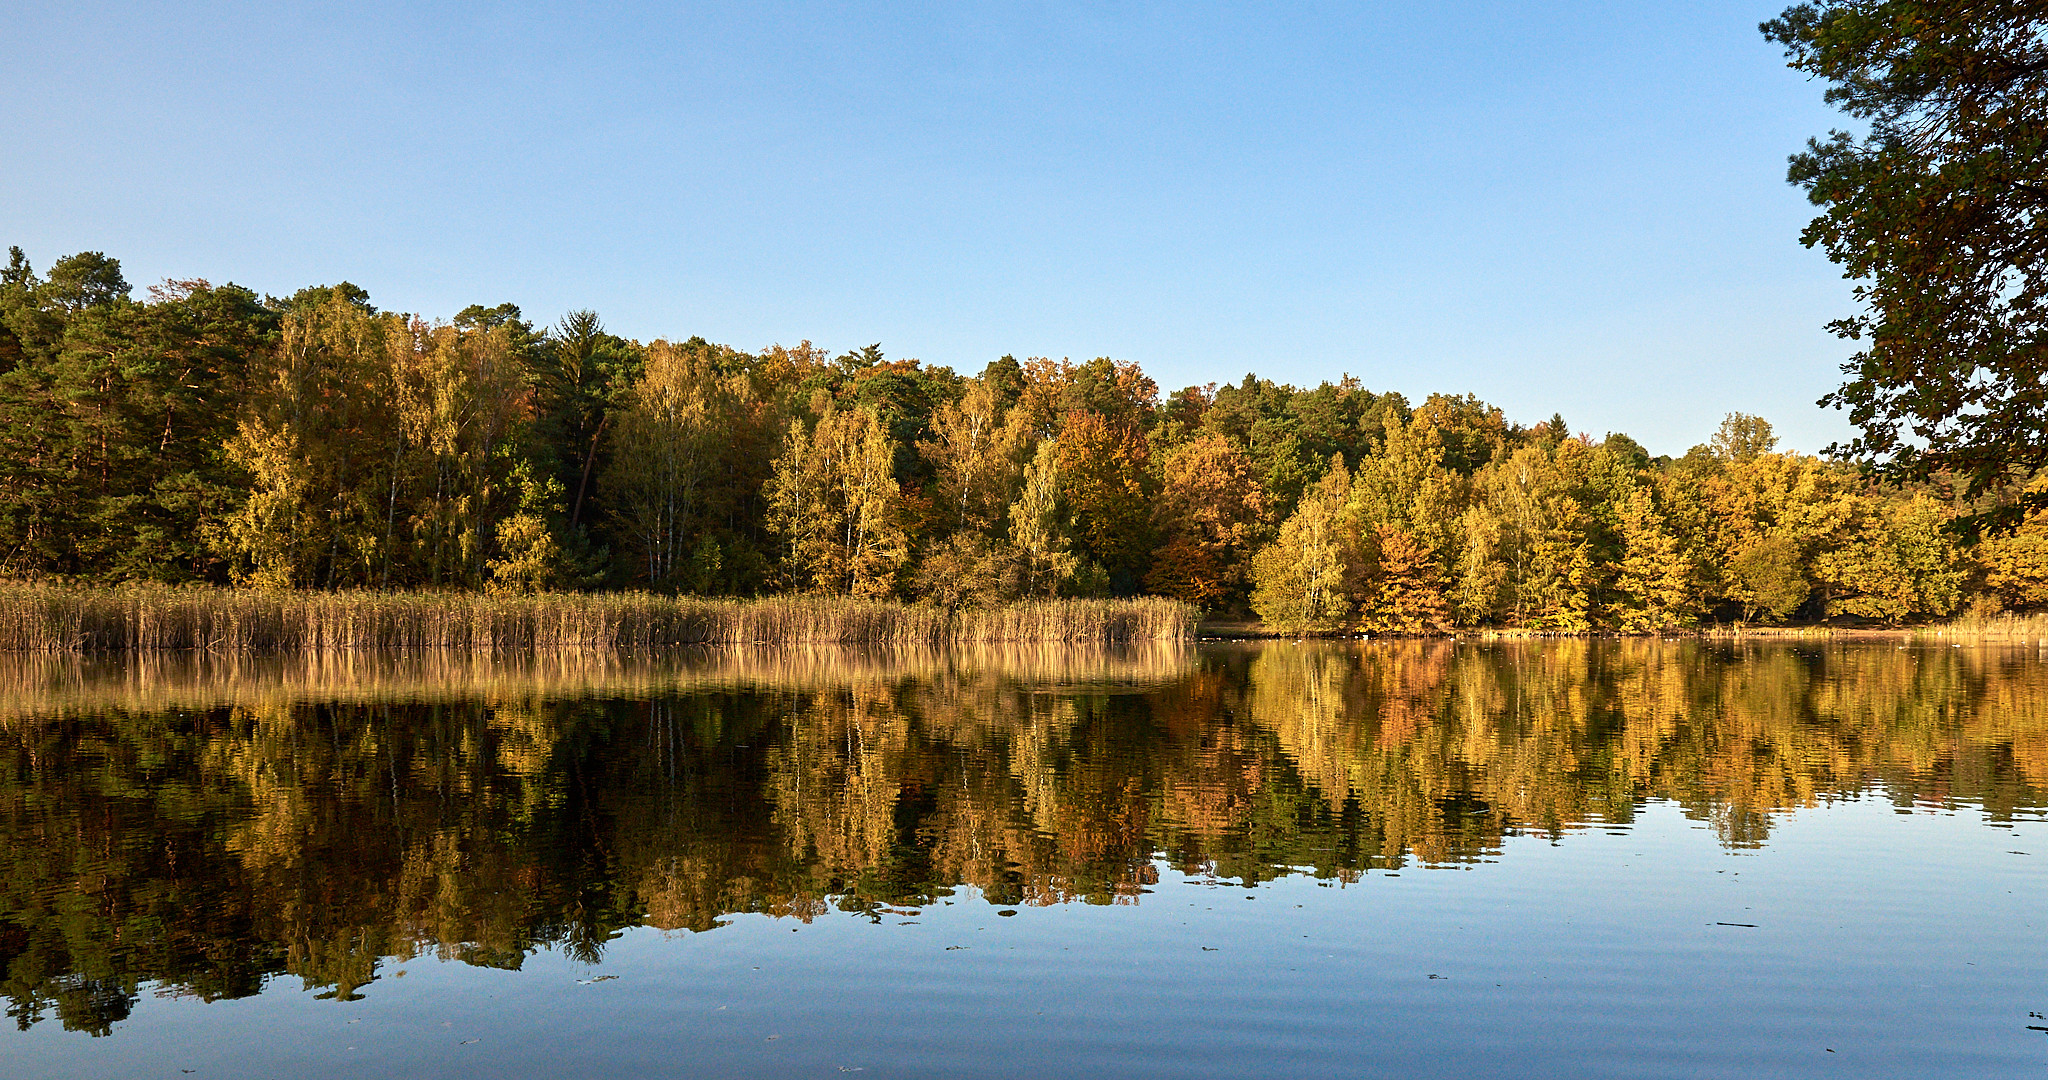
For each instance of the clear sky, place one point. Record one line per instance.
(1574, 207)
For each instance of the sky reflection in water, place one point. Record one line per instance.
(1594, 858)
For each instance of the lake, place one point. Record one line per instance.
(1571, 858)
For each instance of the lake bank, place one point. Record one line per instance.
(60, 619)
(2002, 628)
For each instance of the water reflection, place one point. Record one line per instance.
(196, 828)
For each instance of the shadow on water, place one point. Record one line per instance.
(197, 826)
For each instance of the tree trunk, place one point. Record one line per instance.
(583, 485)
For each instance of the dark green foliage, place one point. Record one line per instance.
(312, 296)
(903, 394)
(112, 419)
(1627, 449)
(582, 374)
(1291, 434)
(1935, 209)
(86, 280)
(1006, 377)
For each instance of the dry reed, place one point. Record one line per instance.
(2004, 626)
(140, 619)
(1751, 631)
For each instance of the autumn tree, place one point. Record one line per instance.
(1041, 527)
(834, 504)
(681, 433)
(1406, 583)
(1653, 584)
(317, 440)
(1479, 577)
(381, 449)
(1535, 538)
(1405, 483)
(1767, 579)
(1211, 513)
(1302, 580)
(459, 395)
(527, 554)
(2015, 563)
(1901, 564)
(1765, 518)
(1742, 437)
(1103, 479)
(977, 451)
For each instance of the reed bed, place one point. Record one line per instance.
(2004, 626)
(146, 619)
(1747, 631)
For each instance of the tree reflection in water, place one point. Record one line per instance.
(197, 826)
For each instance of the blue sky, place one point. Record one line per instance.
(1573, 207)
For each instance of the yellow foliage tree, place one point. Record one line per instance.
(1653, 586)
(1407, 585)
(834, 502)
(315, 437)
(669, 445)
(1301, 582)
(1103, 469)
(1901, 564)
(1040, 528)
(977, 452)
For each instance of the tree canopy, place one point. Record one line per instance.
(204, 434)
(1936, 209)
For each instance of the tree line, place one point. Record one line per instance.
(207, 434)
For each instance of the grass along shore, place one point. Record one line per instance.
(63, 619)
(2002, 627)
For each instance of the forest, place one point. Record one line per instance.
(205, 434)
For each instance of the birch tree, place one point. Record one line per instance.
(834, 503)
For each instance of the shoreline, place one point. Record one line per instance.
(68, 619)
(1239, 630)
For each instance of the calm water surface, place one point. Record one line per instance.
(1618, 859)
